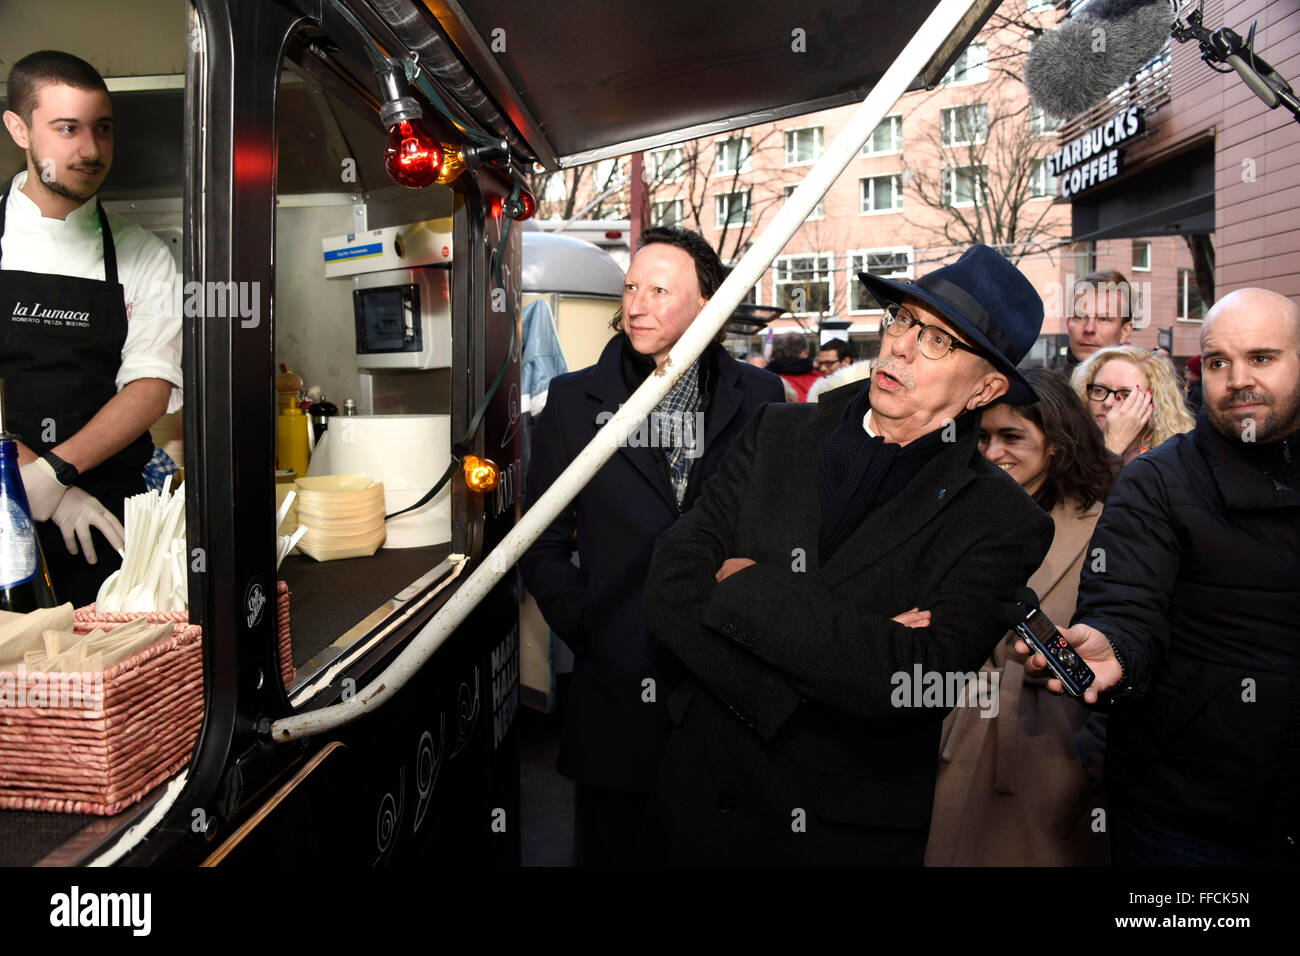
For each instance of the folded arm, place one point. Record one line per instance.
(682, 571)
(846, 653)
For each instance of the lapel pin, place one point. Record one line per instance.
(941, 493)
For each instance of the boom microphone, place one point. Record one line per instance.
(1099, 48)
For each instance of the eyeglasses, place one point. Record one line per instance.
(1099, 393)
(934, 342)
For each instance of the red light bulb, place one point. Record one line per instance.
(412, 157)
(529, 206)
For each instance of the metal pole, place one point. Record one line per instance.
(945, 18)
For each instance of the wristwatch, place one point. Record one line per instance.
(65, 472)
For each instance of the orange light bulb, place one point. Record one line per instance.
(481, 474)
(453, 163)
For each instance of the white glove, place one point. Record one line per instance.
(76, 514)
(44, 491)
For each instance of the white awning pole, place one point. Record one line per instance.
(942, 22)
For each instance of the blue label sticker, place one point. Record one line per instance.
(355, 252)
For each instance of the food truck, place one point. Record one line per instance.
(362, 713)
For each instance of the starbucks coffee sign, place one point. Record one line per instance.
(1096, 156)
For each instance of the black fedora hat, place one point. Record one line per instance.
(985, 298)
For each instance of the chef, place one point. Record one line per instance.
(90, 343)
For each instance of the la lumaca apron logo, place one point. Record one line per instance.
(39, 314)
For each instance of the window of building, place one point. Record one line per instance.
(752, 294)
(965, 125)
(888, 137)
(1041, 182)
(667, 165)
(803, 285)
(1190, 305)
(1141, 255)
(734, 154)
(1083, 256)
(890, 263)
(803, 145)
(1037, 5)
(971, 67)
(964, 185)
(731, 209)
(819, 210)
(1040, 124)
(882, 193)
(667, 212)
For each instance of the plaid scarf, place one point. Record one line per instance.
(672, 427)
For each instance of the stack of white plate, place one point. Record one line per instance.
(343, 514)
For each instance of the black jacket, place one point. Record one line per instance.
(790, 719)
(1194, 576)
(613, 733)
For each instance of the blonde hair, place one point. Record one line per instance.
(1170, 416)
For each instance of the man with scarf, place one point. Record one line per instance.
(827, 634)
(615, 722)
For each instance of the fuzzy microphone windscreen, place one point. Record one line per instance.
(1080, 62)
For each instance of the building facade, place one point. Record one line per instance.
(1203, 201)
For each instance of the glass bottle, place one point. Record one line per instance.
(24, 580)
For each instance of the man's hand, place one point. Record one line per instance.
(44, 491)
(913, 618)
(76, 514)
(1091, 645)
(731, 566)
(1127, 421)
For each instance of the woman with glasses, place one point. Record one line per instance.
(1019, 787)
(1134, 397)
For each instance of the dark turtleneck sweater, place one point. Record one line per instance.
(791, 366)
(857, 473)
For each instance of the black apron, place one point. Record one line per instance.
(60, 350)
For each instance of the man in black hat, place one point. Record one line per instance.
(828, 634)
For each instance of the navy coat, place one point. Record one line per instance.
(1199, 596)
(616, 722)
(797, 739)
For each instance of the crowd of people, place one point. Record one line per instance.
(795, 644)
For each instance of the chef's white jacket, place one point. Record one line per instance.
(145, 267)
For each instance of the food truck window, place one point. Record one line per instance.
(363, 337)
(48, 797)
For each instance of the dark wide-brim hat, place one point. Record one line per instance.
(986, 299)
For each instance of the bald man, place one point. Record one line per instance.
(1189, 612)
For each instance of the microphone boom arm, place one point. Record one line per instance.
(1226, 46)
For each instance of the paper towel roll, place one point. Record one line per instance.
(408, 453)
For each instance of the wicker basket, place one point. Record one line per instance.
(287, 671)
(113, 736)
(88, 615)
(125, 730)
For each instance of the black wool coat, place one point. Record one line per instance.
(1196, 583)
(615, 722)
(789, 743)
